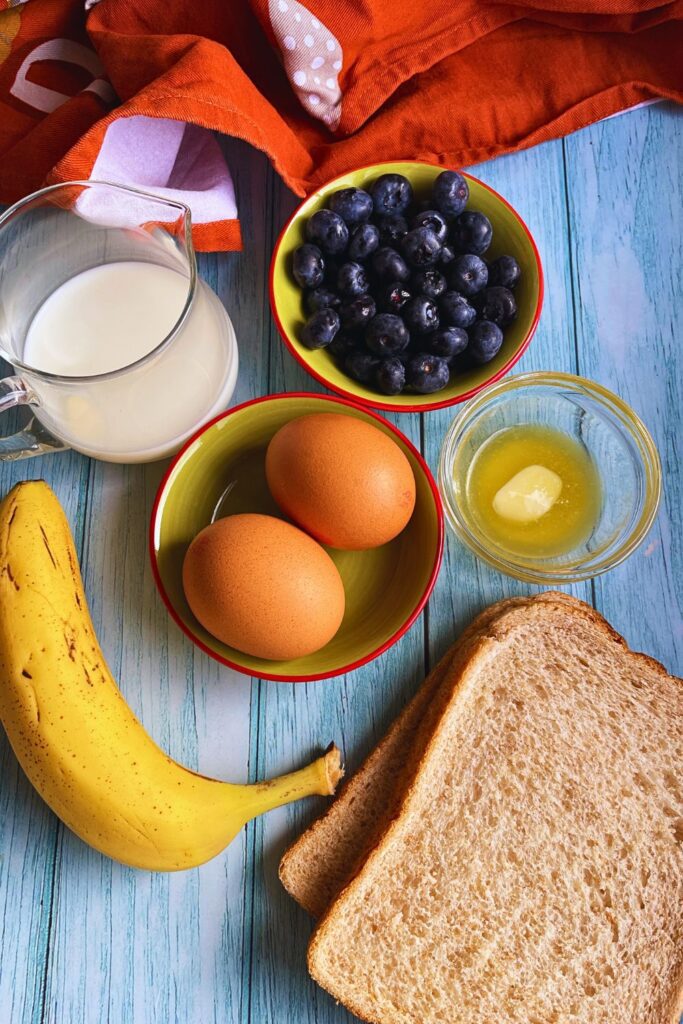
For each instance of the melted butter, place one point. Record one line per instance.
(534, 490)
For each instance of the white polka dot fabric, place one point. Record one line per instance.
(312, 58)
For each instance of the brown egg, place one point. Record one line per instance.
(344, 481)
(262, 586)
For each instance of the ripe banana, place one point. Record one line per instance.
(72, 731)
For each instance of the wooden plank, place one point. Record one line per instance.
(287, 375)
(624, 191)
(131, 946)
(533, 182)
(28, 830)
(295, 721)
(111, 970)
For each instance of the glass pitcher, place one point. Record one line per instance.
(118, 347)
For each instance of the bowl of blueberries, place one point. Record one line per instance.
(405, 286)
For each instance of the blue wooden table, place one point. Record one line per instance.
(86, 941)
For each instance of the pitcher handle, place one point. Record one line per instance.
(34, 439)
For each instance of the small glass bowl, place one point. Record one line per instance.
(622, 450)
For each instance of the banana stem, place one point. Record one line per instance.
(319, 778)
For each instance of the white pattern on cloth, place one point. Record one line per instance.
(307, 46)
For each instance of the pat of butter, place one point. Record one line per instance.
(528, 495)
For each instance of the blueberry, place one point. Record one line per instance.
(426, 373)
(392, 297)
(328, 231)
(446, 256)
(421, 315)
(421, 247)
(321, 298)
(363, 242)
(434, 220)
(356, 313)
(485, 341)
(505, 271)
(471, 233)
(468, 275)
(353, 205)
(390, 376)
(392, 228)
(450, 192)
(352, 280)
(362, 366)
(386, 335)
(497, 304)
(391, 193)
(320, 329)
(429, 282)
(389, 265)
(455, 310)
(308, 266)
(343, 343)
(447, 343)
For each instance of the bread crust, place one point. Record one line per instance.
(315, 903)
(496, 631)
(418, 720)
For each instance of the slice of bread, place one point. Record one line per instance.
(324, 859)
(535, 872)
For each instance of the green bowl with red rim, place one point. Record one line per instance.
(510, 236)
(386, 587)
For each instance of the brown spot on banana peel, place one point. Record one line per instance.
(11, 499)
(75, 572)
(70, 642)
(32, 698)
(10, 576)
(46, 542)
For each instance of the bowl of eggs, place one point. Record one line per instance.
(405, 286)
(296, 537)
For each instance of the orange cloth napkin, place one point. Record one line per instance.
(320, 87)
